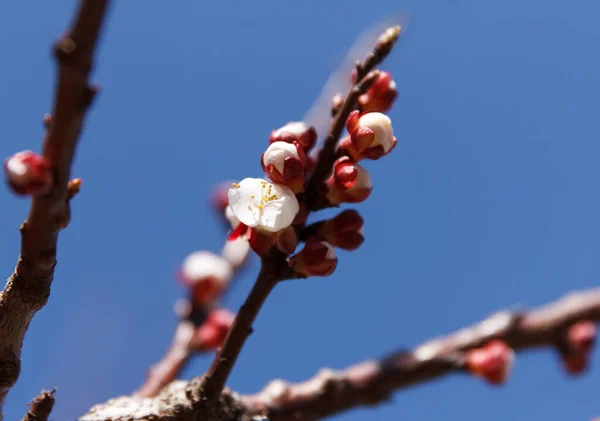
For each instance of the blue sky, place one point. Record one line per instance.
(489, 201)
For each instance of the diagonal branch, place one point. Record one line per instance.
(367, 383)
(28, 288)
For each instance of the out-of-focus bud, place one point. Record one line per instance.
(492, 362)
(345, 231)
(370, 136)
(28, 173)
(337, 101)
(285, 163)
(580, 340)
(349, 182)
(317, 258)
(380, 96)
(386, 41)
(304, 134)
(212, 333)
(206, 274)
(233, 220)
(236, 252)
(287, 240)
(218, 196)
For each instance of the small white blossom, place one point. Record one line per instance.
(201, 265)
(259, 203)
(382, 126)
(236, 251)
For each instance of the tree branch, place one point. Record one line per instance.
(28, 288)
(367, 383)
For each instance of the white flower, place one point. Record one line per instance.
(382, 126)
(258, 203)
(276, 154)
(201, 265)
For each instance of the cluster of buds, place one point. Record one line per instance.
(578, 344)
(493, 362)
(270, 213)
(212, 332)
(28, 173)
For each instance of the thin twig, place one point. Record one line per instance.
(28, 288)
(367, 383)
(365, 77)
(40, 408)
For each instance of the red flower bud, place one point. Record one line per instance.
(345, 231)
(493, 362)
(370, 136)
(28, 173)
(317, 258)
(298, 131)
(349, 182)
(580, 340)
(380, 96)
(212, 333)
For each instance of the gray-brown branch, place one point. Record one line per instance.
(367, 383)
(28, 288)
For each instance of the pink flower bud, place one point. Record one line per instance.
(285, 163)
(370, 136)
(580, 340)
(28, 173)
(492, 362)
(206, 274)
(299, 131)
(212, 333)
(317, 258)
(380, 96)
(581, 336)
(345, 231)
(349, 182)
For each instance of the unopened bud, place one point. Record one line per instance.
(284, 163)
(317, 258)
(345, 231)
(206, 274)
(212, 333)
(370, 136)
(349, 182)
(380, 96)
(28, 173)
(580, 340)
(303, 133)
(492, 362)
